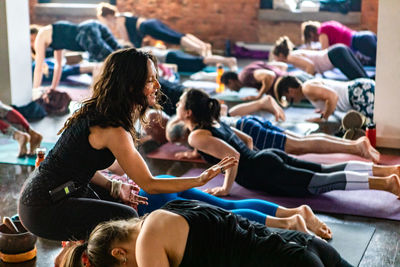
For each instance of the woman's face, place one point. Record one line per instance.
(180, 107)
(152, 84)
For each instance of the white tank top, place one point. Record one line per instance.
(320, 59)
(342, 91)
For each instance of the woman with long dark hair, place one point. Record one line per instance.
(66, 197)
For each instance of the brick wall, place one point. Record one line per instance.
(217, 20)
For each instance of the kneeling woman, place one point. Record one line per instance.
(192, 233)
(272, 170)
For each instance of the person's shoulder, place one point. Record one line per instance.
(161, 220)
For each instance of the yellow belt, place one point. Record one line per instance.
(21, 257)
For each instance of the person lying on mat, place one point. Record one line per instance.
(133, 29)
(260, 75)
(90, 36)
(332, 32)
(272, 170)
(187, 62)
(266, 135)
(318, 61)
(328, 95)
(192, 233)
(13, 123)
(56, 201)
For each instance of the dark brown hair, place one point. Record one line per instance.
(118, 98)
(309, 28)
(283, 46)
(204, 109)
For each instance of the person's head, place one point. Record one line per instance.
(231, 80)
(290, 88)
(157, 125)
(126, 87)
(110, 244)
(198, 108)
(177, 132)
(106, 11)
(34, 29)
(282, 48)
(309, 30)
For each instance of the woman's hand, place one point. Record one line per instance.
(217, 191)
(221, 167)
(129, 196)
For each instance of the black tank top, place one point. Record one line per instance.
(218, 237)
(71, 159)
(135, 36)
(224, 132)
(64, 36)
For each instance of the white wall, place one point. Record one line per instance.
(15, 67)
(387, 91)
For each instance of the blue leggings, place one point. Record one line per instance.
(252, 209)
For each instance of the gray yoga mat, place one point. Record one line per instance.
(351, 241)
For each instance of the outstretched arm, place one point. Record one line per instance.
(204, 141)
(121, 144)
(266, 77)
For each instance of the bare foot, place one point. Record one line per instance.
(36, 139)
(208, 49)
(366, 150)
(394, 185)
(231, 62)
(22, 139)
(313, 223)
(297, 222)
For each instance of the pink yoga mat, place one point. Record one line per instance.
(167, 152)
(369, 203)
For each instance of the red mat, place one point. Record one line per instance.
(167, 152)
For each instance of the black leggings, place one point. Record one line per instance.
(320, 253)
(343, 58)
(73, 218)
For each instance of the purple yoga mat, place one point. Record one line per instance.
(369, 203)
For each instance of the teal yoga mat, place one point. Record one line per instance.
(9, 153)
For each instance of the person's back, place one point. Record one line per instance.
(64, 36)
(234, 240)
(71, 159)
(336, 32)
(246, 76)
(318, 57)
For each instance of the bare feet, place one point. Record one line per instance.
(231, 62)
(208, 49)
(366, 150)
(313, 223)
(297, 222)
(36, 139)
(22, 139)
(394, 185)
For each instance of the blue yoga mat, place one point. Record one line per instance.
(9, 153)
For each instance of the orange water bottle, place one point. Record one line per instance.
(220, 71)
(40, 153)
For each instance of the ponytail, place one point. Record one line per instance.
(75, 255)
(283, 46)
(204, 109)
